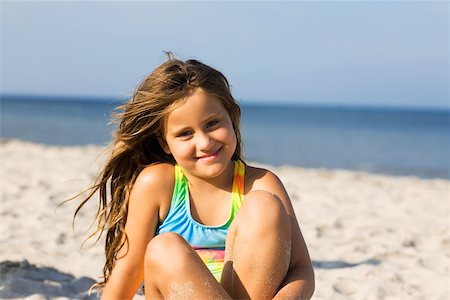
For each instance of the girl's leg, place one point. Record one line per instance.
(173, 270)
(258, 248)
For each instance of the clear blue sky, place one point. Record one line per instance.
(360, 53)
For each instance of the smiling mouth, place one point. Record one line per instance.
(209, 156)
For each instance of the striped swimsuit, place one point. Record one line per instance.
(208, 241)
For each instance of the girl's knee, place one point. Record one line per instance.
(261, 212)
(163, 249)
(263, 205)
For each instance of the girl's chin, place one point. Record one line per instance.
(213, 169)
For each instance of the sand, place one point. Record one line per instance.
(369, 236)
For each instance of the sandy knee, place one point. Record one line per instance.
(261, 213)
(263, 205)
(163, 248)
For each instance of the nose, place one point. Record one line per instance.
(204, 141)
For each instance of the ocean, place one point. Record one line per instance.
(377, 140)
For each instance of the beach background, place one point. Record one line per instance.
(354, 117)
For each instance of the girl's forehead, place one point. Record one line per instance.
(198, 106)
(197, 103)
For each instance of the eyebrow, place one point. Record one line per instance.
(212, 116)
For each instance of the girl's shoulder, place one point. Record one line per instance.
(158, 170)
(157, 175)
(156, 180)
(261, 179)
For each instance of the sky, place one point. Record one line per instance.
(376, 53)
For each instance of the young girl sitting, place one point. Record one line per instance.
(183, 213)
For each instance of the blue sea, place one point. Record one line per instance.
(378, 140)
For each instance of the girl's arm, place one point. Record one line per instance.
(147, 194)
(299, 282)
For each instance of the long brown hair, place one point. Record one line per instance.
(135, 143)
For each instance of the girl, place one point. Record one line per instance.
(183, 213)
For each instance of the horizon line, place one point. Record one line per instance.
(241, 101)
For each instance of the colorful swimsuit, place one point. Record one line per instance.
(208, 241)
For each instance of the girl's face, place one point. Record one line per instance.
(200, 136)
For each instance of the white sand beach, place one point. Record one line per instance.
(370, 236)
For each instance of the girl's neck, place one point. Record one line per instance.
(223, 182)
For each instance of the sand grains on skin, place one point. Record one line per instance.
(370, 236)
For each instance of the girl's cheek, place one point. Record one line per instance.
(183, 147)
(225, 132)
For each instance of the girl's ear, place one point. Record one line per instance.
(164, 145)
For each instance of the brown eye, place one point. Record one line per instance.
(212, 123)
(184, 134)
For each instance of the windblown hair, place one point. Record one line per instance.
(135, 143)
